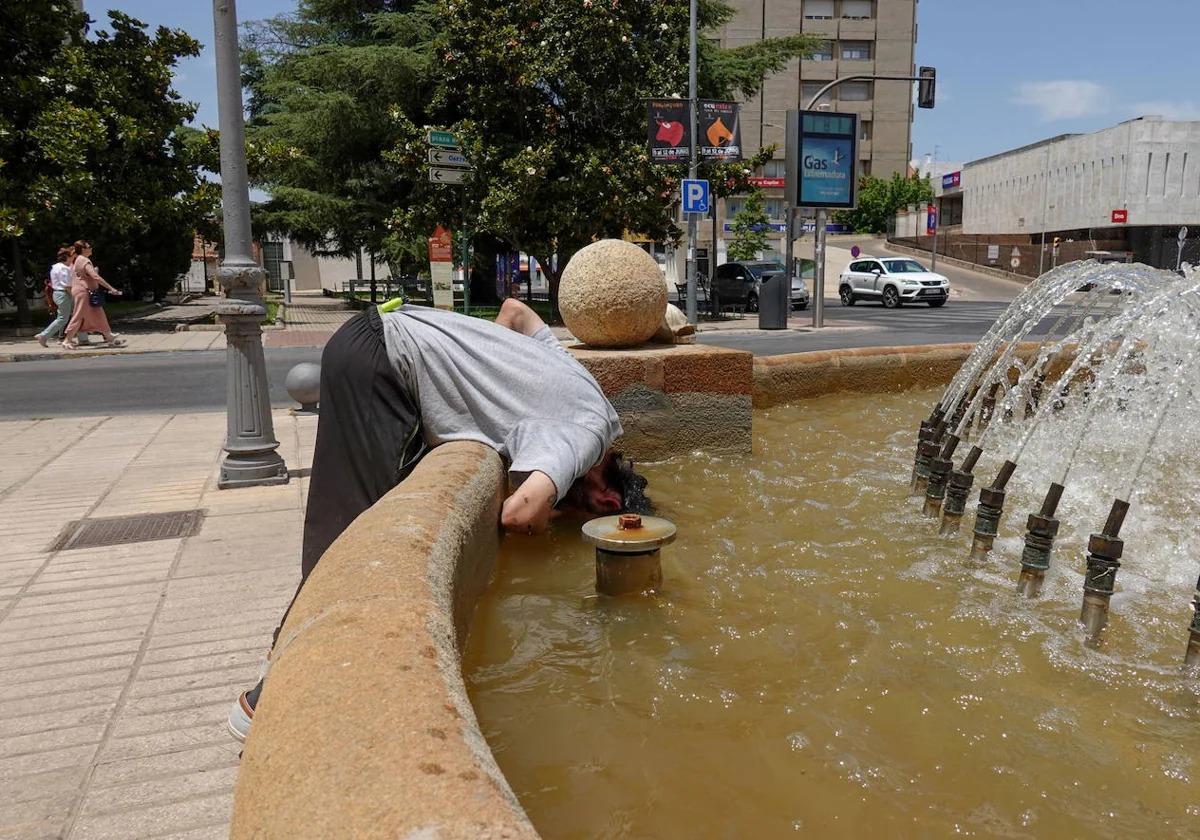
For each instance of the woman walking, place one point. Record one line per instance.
(60, 285)
(89, 301)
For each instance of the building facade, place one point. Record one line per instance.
(861, 37)
(1122, 192)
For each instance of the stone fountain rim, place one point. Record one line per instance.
(407, 758)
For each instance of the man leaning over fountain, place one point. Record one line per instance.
(397, 383)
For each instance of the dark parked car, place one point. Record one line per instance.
(741, 282)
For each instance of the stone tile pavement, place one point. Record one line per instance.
(117, 664)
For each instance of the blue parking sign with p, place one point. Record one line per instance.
(695, 196)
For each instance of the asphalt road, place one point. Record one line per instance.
(145, 382)
(195, 381)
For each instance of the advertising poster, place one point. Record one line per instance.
(826, 171)
(720, 130)
(670, 136)
(441, 268)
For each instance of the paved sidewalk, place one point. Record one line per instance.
(118, 664)
(310, 320)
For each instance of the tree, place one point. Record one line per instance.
(91, 146)
(879, 200)
(548, 99)
(331, 88)
(750, 225)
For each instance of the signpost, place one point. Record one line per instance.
(931, 228)
(447, 176)
(448, 165)
(822, 160)
(695, 196)
(441, 268)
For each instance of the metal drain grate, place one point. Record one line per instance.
(119, 530)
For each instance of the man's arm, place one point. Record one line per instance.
(529, 509)
(519, 318)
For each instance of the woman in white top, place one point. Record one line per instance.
(60, 285)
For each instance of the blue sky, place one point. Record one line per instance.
(1010, 71)
(1015, 71)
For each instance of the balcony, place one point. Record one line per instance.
(856, 30)
(827, 29)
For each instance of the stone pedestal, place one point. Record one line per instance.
(676, 399)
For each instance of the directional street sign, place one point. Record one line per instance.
(445, 157)
(447, 176)
(442, 138)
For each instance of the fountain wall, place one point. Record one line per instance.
(364, 728)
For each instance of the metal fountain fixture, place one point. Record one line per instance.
(628, 551)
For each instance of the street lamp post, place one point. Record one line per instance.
(250, 458)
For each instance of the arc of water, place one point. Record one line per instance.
(1025, 312)
(1102, 275)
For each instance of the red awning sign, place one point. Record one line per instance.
(1120, 217)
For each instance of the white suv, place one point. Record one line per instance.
(893, 280)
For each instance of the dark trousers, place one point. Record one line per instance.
(368, 435)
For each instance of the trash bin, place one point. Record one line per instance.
(773, 303)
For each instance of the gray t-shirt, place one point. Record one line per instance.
(524, 396)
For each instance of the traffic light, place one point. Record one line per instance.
(1057, 242)
(926, 87)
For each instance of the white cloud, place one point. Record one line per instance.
(1178, 110)
(1065, 99)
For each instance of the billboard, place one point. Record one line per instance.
(822, 162)
(669, 130)
(720, 130)
(951, 180)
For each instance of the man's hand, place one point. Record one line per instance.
(519, 318)
(530, 509)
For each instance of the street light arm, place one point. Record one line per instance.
(812, 103)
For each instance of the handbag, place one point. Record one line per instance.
(96, 297)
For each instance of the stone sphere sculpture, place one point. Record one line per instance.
(303, 384)
(612, 294)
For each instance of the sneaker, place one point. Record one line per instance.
(241, 713)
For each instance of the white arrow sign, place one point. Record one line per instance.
(444, 157)
(447, 176)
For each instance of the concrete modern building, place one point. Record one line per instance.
(860, 37)
(1127, 190)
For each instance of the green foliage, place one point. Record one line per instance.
(91, 146)
(749, 228)
(879, 200)
(332, 87)
(548, 99)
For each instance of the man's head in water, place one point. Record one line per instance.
(611, 486)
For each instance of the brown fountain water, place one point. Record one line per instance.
(820, 660)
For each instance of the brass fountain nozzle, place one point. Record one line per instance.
(989, 511)
(1099, 581)
(1041, 529)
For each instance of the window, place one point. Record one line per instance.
(775, 169)
(864, 129)
(858, 9)
(855, 92)
(809, 89)
(818, 9)
(856, 51)
(774, 208)
(824, 52)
